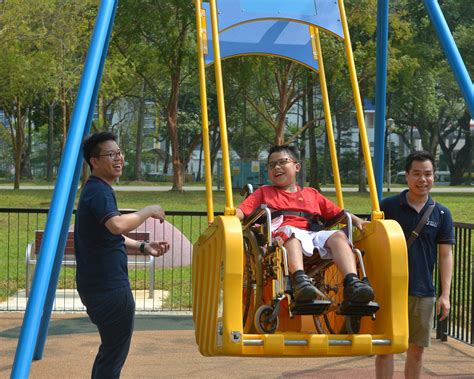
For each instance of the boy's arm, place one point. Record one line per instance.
(239, 214)
(358, 222)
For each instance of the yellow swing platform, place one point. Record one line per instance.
(241, 305)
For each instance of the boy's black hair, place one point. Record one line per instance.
(290, 150)
(91, 148)
(419, 156)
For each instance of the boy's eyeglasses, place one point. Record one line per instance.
(112, 155)
(279, 162)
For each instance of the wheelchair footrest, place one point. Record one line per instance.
(314, 307)
(350, 308)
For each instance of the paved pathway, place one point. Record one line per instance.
(164, 347)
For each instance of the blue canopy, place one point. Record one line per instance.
(290, 40)
(321, 13)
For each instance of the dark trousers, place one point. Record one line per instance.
(113, 313)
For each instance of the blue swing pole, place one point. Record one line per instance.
(380, 93)
(43, 332)
(62, 193)
(452, 53)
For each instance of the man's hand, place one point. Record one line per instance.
(157, 248)
(442, 307)
(156, 212)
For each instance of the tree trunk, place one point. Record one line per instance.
(50, 144)
(198, 176)
(64, 118)
(18, 139)
(26, 153)
(166, 163)
(313, 151)
(172, 123)
(140, 127)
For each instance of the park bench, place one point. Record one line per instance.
(136, 259)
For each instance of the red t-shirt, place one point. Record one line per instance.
(303, 200)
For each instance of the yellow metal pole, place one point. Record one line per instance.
(327, 115)
(229, 209)
(201, 39)
(376, 214)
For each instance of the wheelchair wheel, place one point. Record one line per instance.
(262, 324)
(352, 324)
(332, 286)
(252, 280)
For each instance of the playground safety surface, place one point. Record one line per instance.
(163, 346)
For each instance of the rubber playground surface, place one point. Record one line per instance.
(163, 346)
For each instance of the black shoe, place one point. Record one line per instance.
(358, 291)
(303, 289)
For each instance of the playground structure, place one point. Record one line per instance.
(242, 302)
(224, 237)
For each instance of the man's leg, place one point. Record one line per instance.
(384, 366)
(113, 313)
(414, 362)
(420, 323)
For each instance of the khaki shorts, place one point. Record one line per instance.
(420, 320)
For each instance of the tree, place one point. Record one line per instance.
(156, 38)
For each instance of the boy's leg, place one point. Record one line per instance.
(295, 254)
(341, 253)
(303, 289)
(355, 289)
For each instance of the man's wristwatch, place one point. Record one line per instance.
(142, 247)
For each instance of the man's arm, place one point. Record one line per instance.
(125, 223)
(445, 259)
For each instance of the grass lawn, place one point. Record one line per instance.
(460, 204)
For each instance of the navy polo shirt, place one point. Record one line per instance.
(423, 253)
(101, 256)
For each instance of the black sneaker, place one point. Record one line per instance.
(303, 289)
(358, 291)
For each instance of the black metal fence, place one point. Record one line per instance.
(167, 285)
(460, 324)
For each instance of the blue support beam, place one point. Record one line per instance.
(380, 94)
(452, 53)
(52, 246)
(43, 332)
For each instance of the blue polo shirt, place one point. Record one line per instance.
(101, 256)
(423, 252)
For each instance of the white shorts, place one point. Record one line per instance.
(309, 240)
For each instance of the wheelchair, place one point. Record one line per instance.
(267, 293)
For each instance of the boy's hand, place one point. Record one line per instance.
(358, 222)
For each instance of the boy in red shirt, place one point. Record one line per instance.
(294, 230)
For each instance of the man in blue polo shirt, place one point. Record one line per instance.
(102, 273)
(434, 240)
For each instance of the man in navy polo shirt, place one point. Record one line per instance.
(435, 240)
(102, 273)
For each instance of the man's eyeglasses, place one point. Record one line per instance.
(112, 155)
(279, 162)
